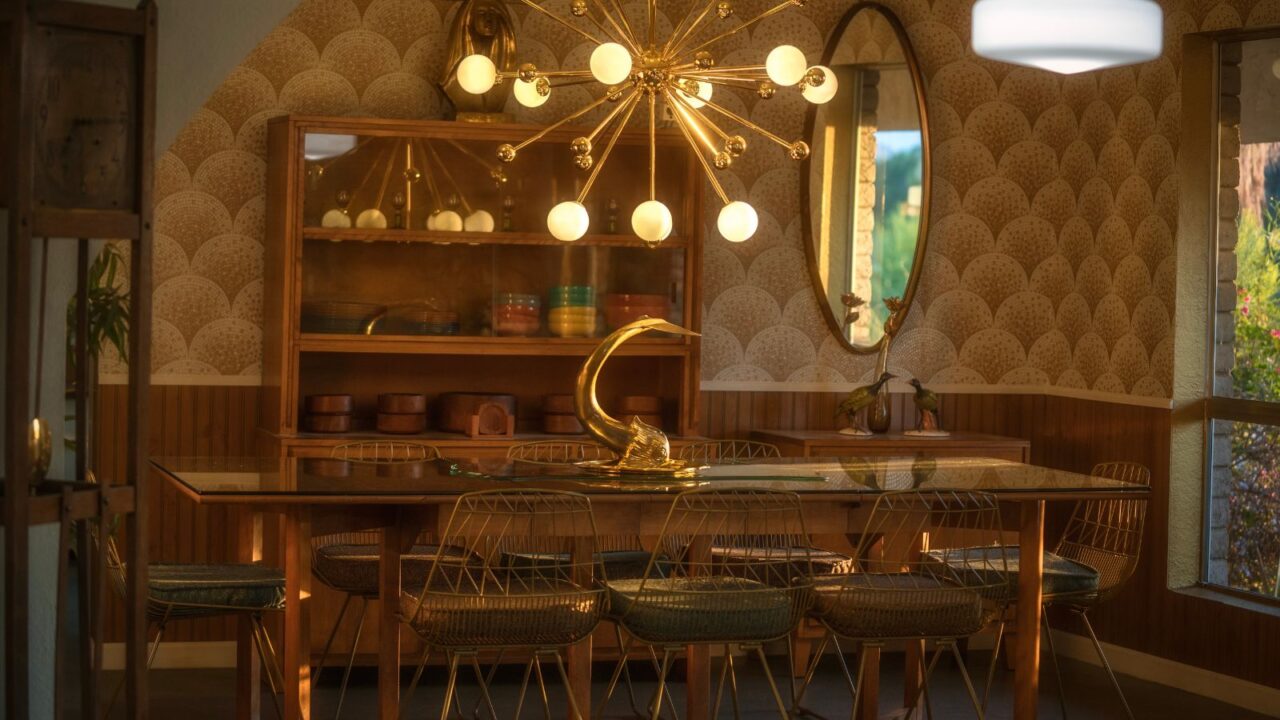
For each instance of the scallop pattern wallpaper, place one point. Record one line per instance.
(1055, 199)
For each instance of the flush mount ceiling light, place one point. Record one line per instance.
(637, 68)
(1068, 36)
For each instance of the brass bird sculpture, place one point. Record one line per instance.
(860, 399)
(926, 402)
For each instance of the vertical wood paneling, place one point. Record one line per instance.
(1065, 433)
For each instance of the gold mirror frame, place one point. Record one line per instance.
(926, 180)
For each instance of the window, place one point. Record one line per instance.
(1243, 540)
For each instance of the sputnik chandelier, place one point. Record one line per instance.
(638, 71)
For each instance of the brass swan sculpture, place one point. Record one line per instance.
(640, 447)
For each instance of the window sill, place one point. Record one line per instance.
(1234, 598)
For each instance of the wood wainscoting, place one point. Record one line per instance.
(1065, 433)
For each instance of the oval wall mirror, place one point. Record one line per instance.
(867, 188)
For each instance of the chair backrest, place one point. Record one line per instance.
(932, 539)
(558, 452)
(728, 451)
(1106, 535)
(384, 452)
(515, 542)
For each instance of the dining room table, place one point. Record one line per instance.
(317, 496)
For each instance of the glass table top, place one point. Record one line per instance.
(227, 478)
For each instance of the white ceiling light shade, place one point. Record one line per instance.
(322, 146)
(1068, 36)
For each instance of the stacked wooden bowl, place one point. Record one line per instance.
(329, 413)
(646, 407)
(402, 413)
(558, 416)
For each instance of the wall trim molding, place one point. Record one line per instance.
(193, 380)
(1171, 673)
(175, 655)
(955, 389)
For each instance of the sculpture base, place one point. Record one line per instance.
(855, 432)
(927, 433)
(671, 468)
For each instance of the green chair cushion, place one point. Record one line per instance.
(780, 566)
(897, 605)
(187, 589)
(714, 609)
(506, 612)
(610, 564)
(1061, 576)
(354, 568)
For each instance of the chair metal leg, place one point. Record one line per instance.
(351, 659)
(626, 672)
(968, 682)
(724, 674)
(1106, 664)
(151, 657)
(1053, 659)
(662, 683)
(923, 692)
(995, 656)
(773, 686)
(733, 683)
(417, 676)
(568, 688)
(270, 662)
(333, 633)
(542, 688)
(524, 685)
(797, 701)
(857, 690)
(451, 685)
(493, 672)
(484, 687)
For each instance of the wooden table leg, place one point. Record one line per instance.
(389, 621)
(297, 614)
(578, 657)
(698, 657)
(912, 678)
(870, 684)
(1026, 674)
(248, 673)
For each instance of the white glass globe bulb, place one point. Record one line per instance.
(527, 94)
(738, 221)
(1068, 37)
(371, 218)
(478, 221)
(610, 63)
(824, 92)
(651, 221)
(1275, 68)
(785, 65)
(702, 96)
(568, 221)
(449, 221)
(477, 74)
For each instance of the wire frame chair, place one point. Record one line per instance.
(690, 595)
(558, 452)
(190, 591)
(348, 562)
(523, 581)
(930, 567)
(728, 451)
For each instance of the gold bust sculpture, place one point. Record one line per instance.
(480, 27)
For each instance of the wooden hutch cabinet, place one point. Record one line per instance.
(372, 284)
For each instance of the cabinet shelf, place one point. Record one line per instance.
(475, 345)
(476, 238)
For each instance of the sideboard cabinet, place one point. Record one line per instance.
(404, 257)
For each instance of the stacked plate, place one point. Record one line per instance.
(324, 316)
(517, 315)
(419, 320)
(573, 311)
(622, 308)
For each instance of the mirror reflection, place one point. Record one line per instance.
(867, 179)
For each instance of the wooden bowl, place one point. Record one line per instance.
(558, 405)
(329, 423)
(562, 425)
(329, 404)
(402, 403)
(456, 410)
(640, 405)
(402, 423)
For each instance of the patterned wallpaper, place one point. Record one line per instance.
(1055, 199)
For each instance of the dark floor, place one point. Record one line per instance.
(201, 694)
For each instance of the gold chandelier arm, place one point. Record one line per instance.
(730, 70)
(747, 123)
(613, 32)
(509, 75)
(567, 118)
(685, 28)
(429, 175)
(613, 139)
(743, 26)
(612, 114)
(449, 176)
(653, 147)
(725, 82)
(487, 165)
(561, 20)
(706, 167)
(624, 31)
(653, 22)
(693, 115)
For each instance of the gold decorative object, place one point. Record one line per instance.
(640, 447)
(481, 27)
(39, 448)
(880, 414)
(857, 406)
(634, 68)
(927, 404)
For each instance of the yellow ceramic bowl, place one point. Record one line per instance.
(572, 328)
